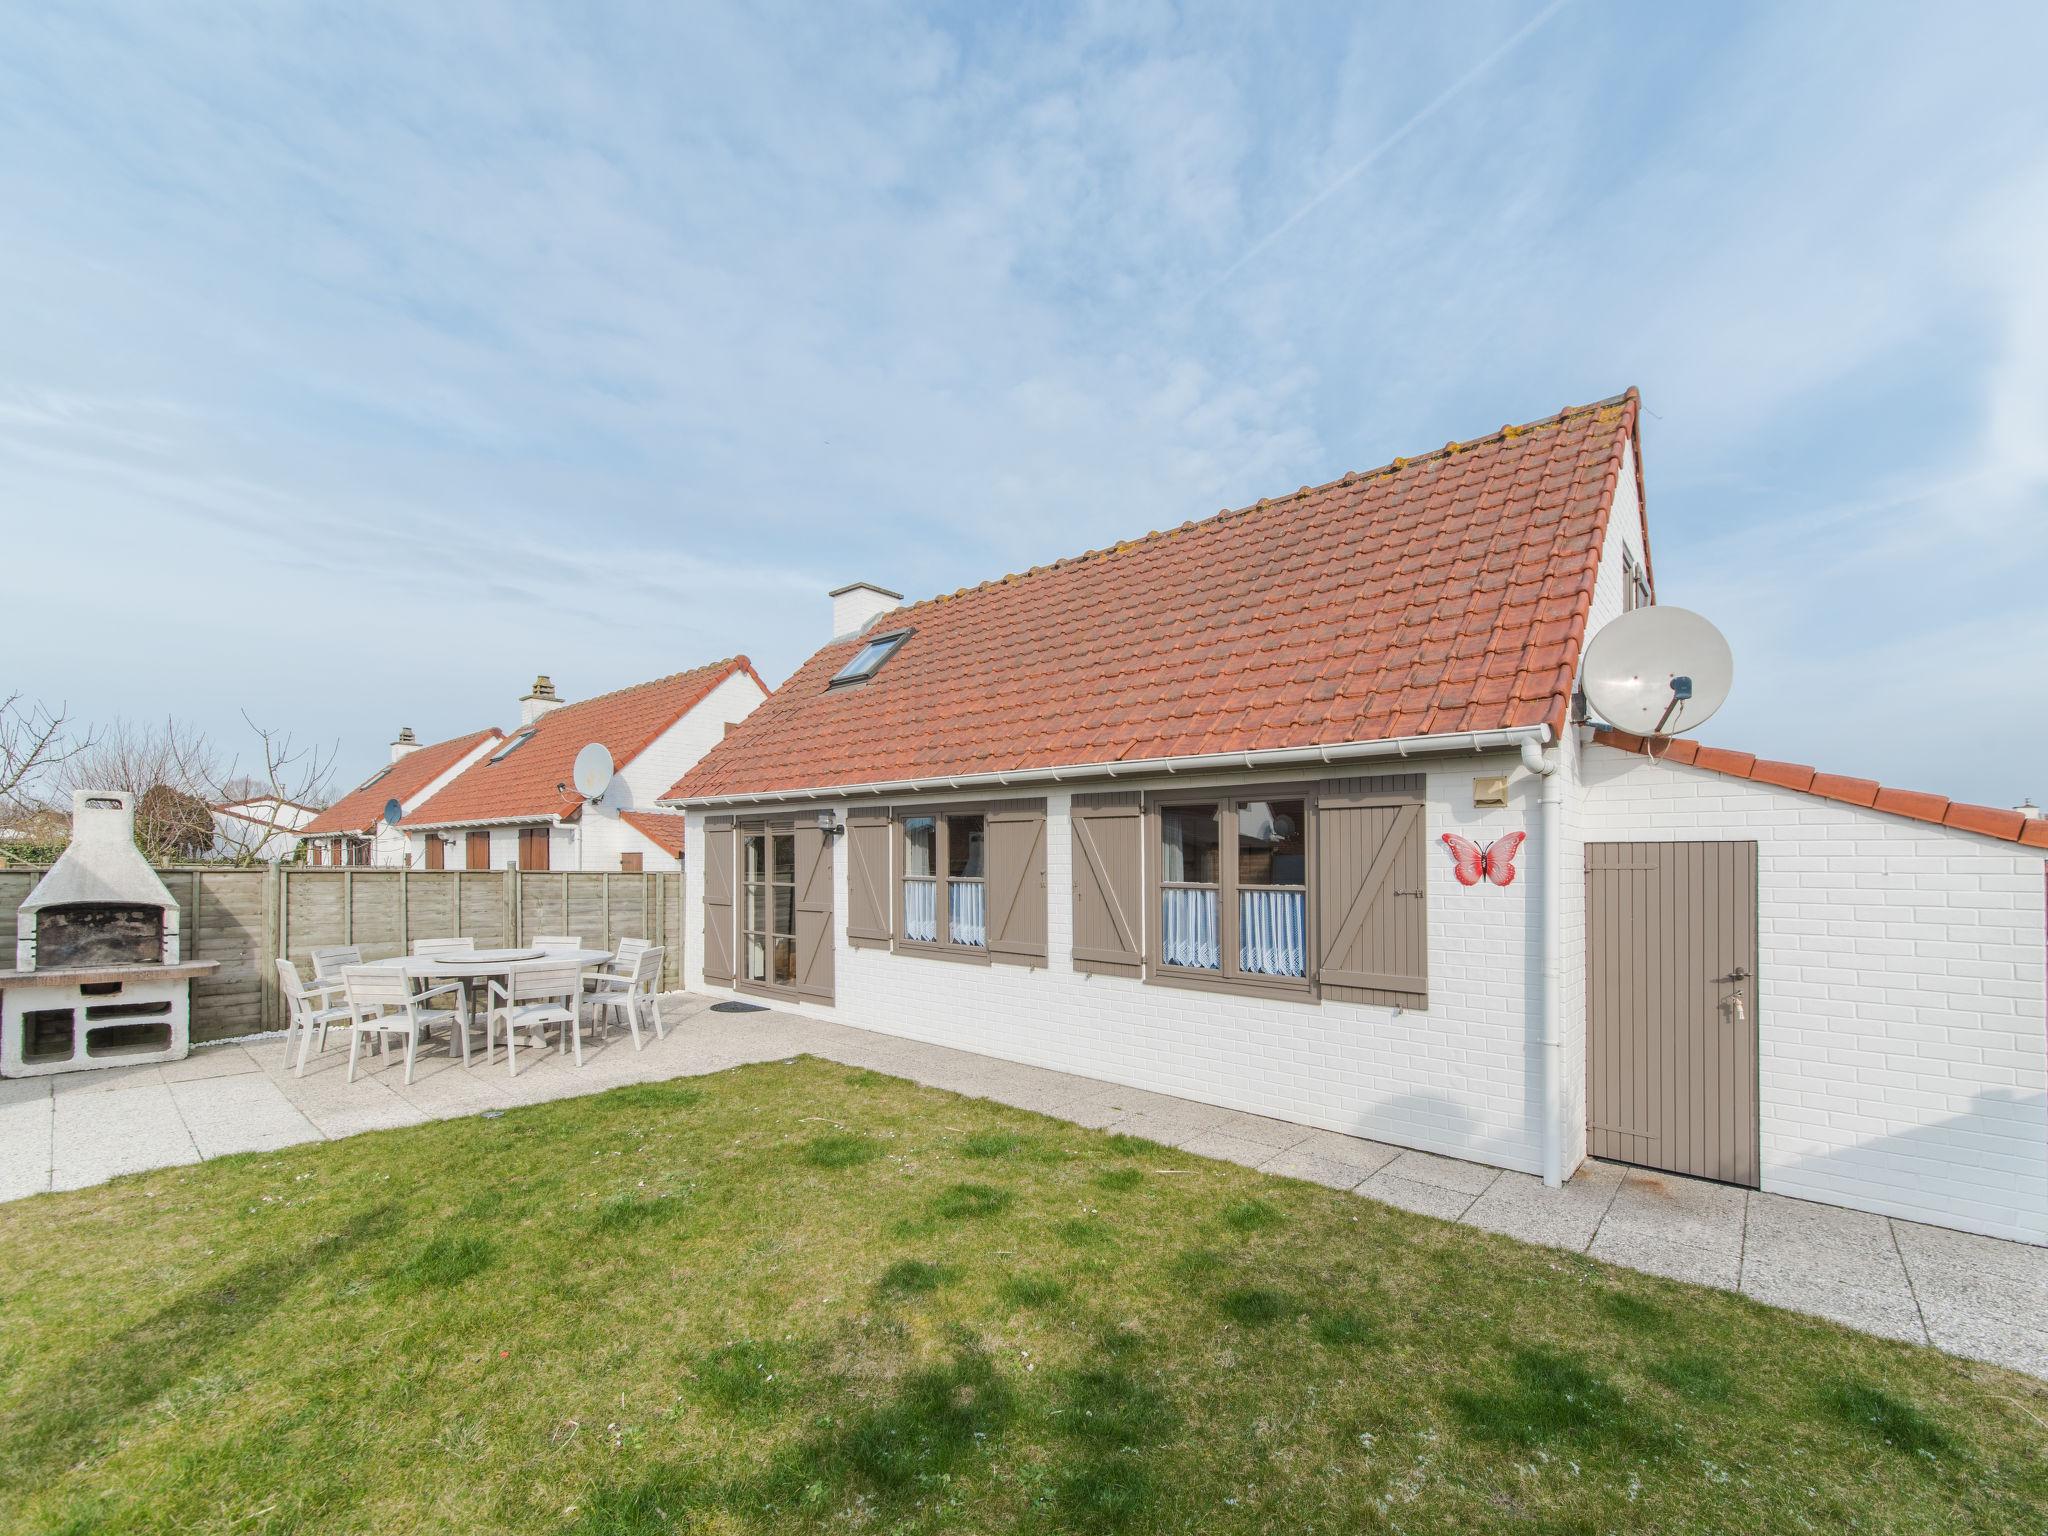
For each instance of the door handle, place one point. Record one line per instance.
(1740, 973)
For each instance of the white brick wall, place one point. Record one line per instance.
(1456, 1078)
(1901, 994)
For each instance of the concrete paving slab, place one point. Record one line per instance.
(2002, 1339)
(25, 1143)
(1224, 1147)
(1390, 1188)
(1102, 1112)
(1967, 1272)
(98, 1136)
(1368, 1157)
(1887, 1311)
(210, 1061)
(1826, 1237)
(1467, 1179)
(18, 1090)
(242, 1112)
(1639, 1248)
(1175, 1127)
(1277, 1134)
(1295, 1163)
(373, 1108)
(1519, 1205)
(1683, 1211)
(104, 1080)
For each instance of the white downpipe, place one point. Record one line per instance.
(1550, 859)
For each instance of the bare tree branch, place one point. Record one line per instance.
(33, 746)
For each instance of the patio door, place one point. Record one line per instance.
(768, 909)
(1671, 1000)
(785, 911)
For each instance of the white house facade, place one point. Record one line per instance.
(1293, 811)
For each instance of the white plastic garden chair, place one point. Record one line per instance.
(620, 964)
(382, 1002)
(556, 943)
(308, 1010)
(534, 997)
(628, 993)
(443, 947)
(329, 962)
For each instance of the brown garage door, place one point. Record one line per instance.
(1671, 1029)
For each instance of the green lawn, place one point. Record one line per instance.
(795, 1296)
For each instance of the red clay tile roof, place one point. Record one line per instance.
(1985, 820)
(664, 827)
(1443, 593)
(362, 807)
(522, 783)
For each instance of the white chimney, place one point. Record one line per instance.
(407, 742)
(2028, 809)
(538, 702)
(859, 604)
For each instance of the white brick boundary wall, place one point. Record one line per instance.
(1902, 982)
(1458, 1078)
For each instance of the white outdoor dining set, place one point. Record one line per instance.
(554, 982)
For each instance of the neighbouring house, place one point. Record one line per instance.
(353, 831)
(1290, 809)
(517, 806)
(262, 828)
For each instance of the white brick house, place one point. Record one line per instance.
(1175, 814)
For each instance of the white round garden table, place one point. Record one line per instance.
(472, 966)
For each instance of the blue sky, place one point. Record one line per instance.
(358, 365)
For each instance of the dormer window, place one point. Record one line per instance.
(867, 661)
(518, 740)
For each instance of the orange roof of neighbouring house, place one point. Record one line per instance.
(362, 808)
(521, 784)
(663, 828)
(1439, 594)
(1985, 820)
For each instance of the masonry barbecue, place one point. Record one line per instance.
(98, 978)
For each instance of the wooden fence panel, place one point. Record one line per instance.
(244, 917)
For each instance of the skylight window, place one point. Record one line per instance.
(373, 778)
(867, 661)
(512, 746)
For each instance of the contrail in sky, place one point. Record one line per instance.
(1421, 116)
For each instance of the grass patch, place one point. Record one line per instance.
(629, 1212)
(991, 1144)
(1030, 1290)
(841, 1150)
(440, 1264)
(465, 1325)
(964, 1202)
(1138, 1146)
(914, 1277)
(1253, 1306)
(1120, 1180)
(1889, 1419)
(1252, 1216)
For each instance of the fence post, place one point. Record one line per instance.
(404, 913)
(606, 887)
(348, 906)
(272, 947)
(515, 916)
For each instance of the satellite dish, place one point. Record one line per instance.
(593, 772)
(1658, 671)
(392, 811)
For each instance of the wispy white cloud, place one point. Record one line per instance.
(455, 344)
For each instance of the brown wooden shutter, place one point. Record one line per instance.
(437, 851)
(477, 850)
(629, 863)
(813, 912)
(717, 853)
(1371, 889)
(1016, 882)
(1109, 886)
(868, 904)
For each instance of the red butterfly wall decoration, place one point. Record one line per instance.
(1495, 862)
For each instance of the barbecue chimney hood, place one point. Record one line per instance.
(100, 877)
